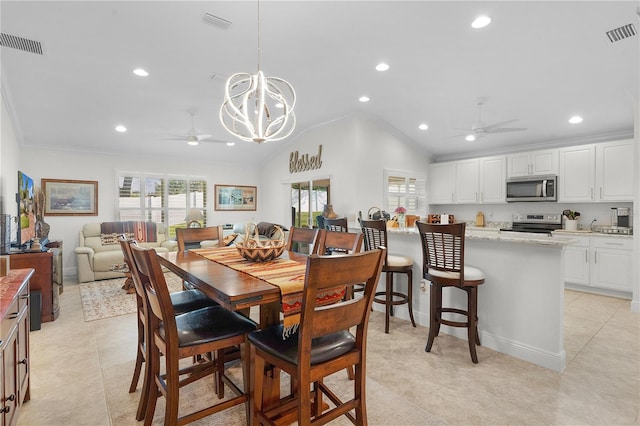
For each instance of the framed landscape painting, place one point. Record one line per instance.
(70, 197)
(234, 197)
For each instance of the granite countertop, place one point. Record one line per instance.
(9, 286)
(494, 234)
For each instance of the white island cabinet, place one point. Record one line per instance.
(520, 305)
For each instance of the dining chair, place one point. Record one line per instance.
(336, 224)
(304, 240)
(375, 235)
(443, 266)
(322, 346)
(340, 242)
(195, 333)
(182, 301)
(189, 238)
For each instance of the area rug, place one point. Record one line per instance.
(106, 298)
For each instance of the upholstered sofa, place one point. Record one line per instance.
(99, 254)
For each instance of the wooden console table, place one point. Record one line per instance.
(42, 280)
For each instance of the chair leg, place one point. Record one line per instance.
(472, 322)
(145, 392)
(410, 296)
(154, 371)
(173, 392)
(136, 371)
(387, 305)
(435, 301)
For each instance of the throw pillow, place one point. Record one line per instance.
(111, 239)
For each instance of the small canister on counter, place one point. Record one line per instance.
(479, 219)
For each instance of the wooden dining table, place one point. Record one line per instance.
(234, 290)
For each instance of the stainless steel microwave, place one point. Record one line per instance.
(532, 188)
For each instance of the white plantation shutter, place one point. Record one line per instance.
(160, 199)
(406, 189)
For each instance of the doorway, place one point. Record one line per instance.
(308, 200)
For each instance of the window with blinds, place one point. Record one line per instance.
(160, 199)
(405, 189)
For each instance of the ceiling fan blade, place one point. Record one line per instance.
(177, 138)
(202, 137)
(214, 141)
(508, 129)
(496, 125)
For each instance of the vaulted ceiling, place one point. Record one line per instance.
(538, 62)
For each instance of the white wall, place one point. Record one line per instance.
(53, 164)
(9, 163)
(355, 150)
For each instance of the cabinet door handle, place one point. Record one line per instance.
(13, 316)
(24, 361)
(591, 193)
(600, 192)
(586, 255)
(6, 409)
(595, 256)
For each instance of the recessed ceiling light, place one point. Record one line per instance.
(193, 143)
(575, 119)
(231, 143)
(423, 126)
(140, 72)
(382, 66)
(470, 138)
(481, 21)
(364, 99)
(120, 128)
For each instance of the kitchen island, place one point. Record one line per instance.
(520, 305)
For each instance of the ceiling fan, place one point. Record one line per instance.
(480, 129)
(193, 138)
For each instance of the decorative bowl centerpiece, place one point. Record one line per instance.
(254, 249)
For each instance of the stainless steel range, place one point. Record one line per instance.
(539, 223)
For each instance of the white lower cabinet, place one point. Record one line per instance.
(599, 262)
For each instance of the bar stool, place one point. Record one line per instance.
(443, 265)
(375, 236)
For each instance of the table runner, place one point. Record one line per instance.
(288, 275)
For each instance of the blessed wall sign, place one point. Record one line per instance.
(305, 162)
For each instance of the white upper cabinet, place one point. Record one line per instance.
(442, 180)
(596, 172)
(614, 171)
(493, 175)
(467, 182)
(577, 173)
(475, 181)
(533, 163)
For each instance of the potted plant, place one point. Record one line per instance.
(571, 221)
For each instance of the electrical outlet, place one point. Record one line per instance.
(423, 286)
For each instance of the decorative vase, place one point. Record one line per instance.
(571, 225)
(328, 212)
(402, 221)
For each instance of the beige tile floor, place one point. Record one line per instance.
(72, 360)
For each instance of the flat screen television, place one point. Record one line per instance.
(26, 211)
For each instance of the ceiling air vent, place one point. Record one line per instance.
(20, 43)
(621, 33)
(216, 21)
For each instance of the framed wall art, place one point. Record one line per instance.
(234, 197)
(70, 197)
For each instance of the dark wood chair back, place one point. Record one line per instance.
(304, 240)
(160, 308)
(340, 242)
(337, 224)
(443, 250)
(375, 234)
(332, 271)
(323, 324)
(189, 238)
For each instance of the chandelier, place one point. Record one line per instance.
(258, 108)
